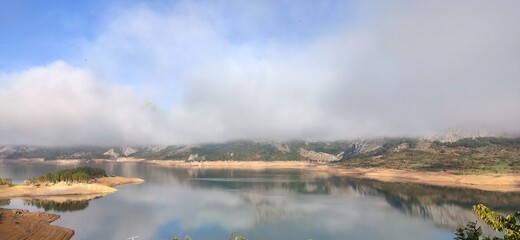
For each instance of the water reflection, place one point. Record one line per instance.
(268, 204)
(65, 206)
(4, 202)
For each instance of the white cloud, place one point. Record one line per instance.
(60, 104)
(400, 68)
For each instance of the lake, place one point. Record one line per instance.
(265, 204)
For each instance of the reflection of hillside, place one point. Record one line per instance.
(67, 206)
(401, 194)
(268, 210)
(61, 203)
(447, 207)
(4, 202)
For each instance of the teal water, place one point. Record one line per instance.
(268, 204)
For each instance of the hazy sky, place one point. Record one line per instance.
(168, 72)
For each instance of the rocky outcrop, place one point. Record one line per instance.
(111, 153)
(127, 151)
(193, 157)
(6, 151)
(317, 156)
(281, 147)
(401, 147)
(360, 147)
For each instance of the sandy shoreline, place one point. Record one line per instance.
(489, 182)
(495, 182)
(21, 224)
(99, 187)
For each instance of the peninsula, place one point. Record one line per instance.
(77, 181)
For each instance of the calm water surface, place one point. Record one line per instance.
(268, 204)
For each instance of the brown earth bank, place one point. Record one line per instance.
(99, 186)
(21, 224)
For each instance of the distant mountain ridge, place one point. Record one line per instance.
(237, 150)
(321, 151)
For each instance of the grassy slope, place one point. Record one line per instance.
(433, 156)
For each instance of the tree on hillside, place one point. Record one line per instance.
(80, 174)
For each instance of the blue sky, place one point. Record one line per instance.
(148, 72)
(36, 32)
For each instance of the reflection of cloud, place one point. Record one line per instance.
(269, 211)
(259, 209)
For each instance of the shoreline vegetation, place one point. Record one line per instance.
(78, 181)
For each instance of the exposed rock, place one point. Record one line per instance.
(317, 156)
(6, 151)
(193, 157)
(401, 147)
(281, 147)
(111, 153)
(360, 147)
(127, 151)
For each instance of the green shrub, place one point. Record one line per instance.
(506, 224)
(6, 181)
(79, 174)
(470, 232)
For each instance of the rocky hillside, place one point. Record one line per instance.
(466, 154)
(239, 150)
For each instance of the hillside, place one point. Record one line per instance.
(482, 154)
(238, 150)
(468, 155)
